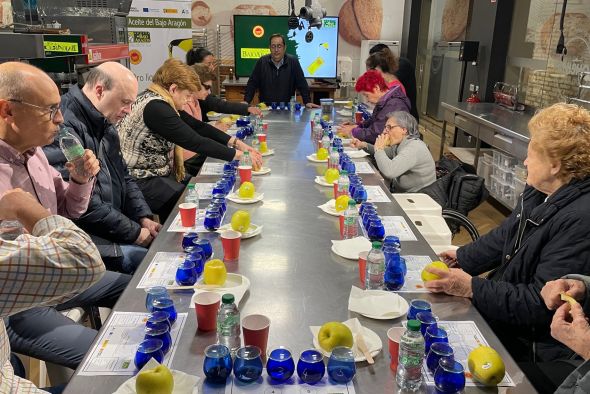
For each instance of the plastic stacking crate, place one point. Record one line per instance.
(418, 203)
(433, 228)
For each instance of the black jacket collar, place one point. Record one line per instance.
(97, 122)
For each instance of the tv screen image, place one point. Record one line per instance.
(318, 58)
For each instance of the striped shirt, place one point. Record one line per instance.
(51, 265)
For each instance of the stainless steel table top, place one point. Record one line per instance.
(503, 120)
(295, 279)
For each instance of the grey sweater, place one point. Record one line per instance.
(578, 382)
(409, 166)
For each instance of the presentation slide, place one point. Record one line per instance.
(318, 58)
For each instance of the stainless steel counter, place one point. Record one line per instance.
(295, 279)
(500, 127)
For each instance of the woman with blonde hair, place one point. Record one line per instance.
(546, 237)
(156, 125)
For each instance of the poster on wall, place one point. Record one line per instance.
(158, 29)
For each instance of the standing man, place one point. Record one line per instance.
(277, 75)
(118, 218)
(30, 118)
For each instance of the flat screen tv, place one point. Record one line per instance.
(318, 58)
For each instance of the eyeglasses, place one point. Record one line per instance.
(389, 127)
(276, 46)
(205, 86)
(52, 110)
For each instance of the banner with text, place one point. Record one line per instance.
(158, 29)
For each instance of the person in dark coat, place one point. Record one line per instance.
(546, 237)
(118, 217)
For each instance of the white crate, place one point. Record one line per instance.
(418, 203)
(433, 228)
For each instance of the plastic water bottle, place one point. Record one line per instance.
(355, 105)
(228, 324)
(343, 183)
(72, 149)
(192, 195)
(334, 158)
(411, 356)
(351, 219)
(326, 140)
(394, 277)
(317, 134)
(246, 161)
(375, 268)
(292, 104)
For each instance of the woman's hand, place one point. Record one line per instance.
(453, 282)
(381, 142)
(255, 110)
(551, 292)
(222, 126)
(346, 130)
(355, 143)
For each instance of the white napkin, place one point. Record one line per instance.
(372, 340)
(183, 383)
(350, 248)
(313, 157)
(237, 291)
(330, 208)
(383, 304)
(234, 197)
(320, 180)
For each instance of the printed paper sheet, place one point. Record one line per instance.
(363, 167)
(376, 194)
(162, 270)
(212, 169)
(292, 386)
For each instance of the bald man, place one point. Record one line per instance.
(118, 218)
(30, 118)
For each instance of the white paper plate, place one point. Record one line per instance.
(346, 141)
(404, 306)
(357, 154)
(353, 252)
(370, 338)
(268, 153)
(215, 116)
(262, 171)
(330, 208)
(320, 180)
(345, 112)
(314, 158)
(233, 197)
(233, 285)
(253, 230)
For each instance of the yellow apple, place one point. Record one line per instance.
(226, 120)
(331, 175)
(262, 106)
(246, 190)
(334, 334)
(342, 203)
(234, 117)
(322, 154)
(240, 221)
(214, 272)
(154, 381)
(263, 147)
(426, 276)
(486, 365)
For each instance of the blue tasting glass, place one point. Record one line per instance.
(219, 189)
(248, 364)
(151, 293)
(297, 106)
(186, 273)
(282, 105)
(205, 245)
(280, 365)
(148, 349)
(394, 276)
(221, 203)
(449, 376)
(161, 332)
(310, 366)
(341, 368)
(188, 240)
(194, 253)
(426, 320)
(228, 167)
(360, 194)
(158, 317)
(418, 305)
(437, 351)
(166, 305)
(218, 363)
(434, 334)
(212, 221)
(376, 231)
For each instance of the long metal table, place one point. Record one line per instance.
(295, 279)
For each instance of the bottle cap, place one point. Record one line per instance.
(229, 299)
(376, 245)
(191, 185)
(343, 172)
(351, 203)
(413, 325)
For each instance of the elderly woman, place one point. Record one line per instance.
(156, 124)
(374, 88)
(546, 236)
(401, 156)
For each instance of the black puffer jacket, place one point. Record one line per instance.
(543, 239)
(117, 204)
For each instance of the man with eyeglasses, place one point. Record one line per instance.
(118, 217)
(277, 75)
(30, 118)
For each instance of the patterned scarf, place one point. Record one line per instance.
(179, 172)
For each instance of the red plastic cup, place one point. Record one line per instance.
(188, 214)
(230, 240)
(255, 329)
(358, 117)
(264, 126)
(261, 137)
(245, 173)
(335, 190)
(206, 307)
(362, 267)
(341, 220)
(394, 335)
